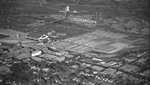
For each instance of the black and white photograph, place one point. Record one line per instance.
(74, 42)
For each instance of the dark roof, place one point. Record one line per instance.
(34, 35)
(3, 36)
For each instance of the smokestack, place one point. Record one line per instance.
(67, 9)
(96, 15)
(100, 16)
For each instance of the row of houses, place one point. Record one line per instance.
(76, 19)
(81, 19)
(11, 10)
(8, 1)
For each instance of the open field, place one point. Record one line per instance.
(102, 41)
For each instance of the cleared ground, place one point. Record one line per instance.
(101, 41)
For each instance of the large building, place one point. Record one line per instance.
(81, 19)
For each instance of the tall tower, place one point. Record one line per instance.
(100, 16)
(96, 16)
(67, 11)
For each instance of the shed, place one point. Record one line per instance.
(36, 53)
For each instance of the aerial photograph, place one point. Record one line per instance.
(74, 42)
